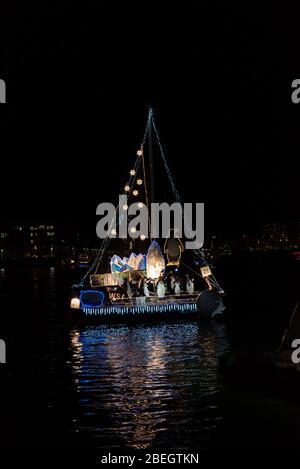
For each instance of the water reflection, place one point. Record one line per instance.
(147, 386)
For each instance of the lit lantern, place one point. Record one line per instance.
(139, 182)
(135, 192)
(132, 172)
(155, 261)
(75, 303)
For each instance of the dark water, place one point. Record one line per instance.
(64, 385)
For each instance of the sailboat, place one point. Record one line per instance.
(147, 284)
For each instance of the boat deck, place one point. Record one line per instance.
(152, 304)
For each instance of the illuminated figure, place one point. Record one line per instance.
(173, 249)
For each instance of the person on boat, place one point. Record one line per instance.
(161, 289)
(189, 284)
(177, 287)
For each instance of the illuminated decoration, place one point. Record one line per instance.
(155, 261)
(140, 152)
(125, 207)
(75, 303)
(91, 298)
(143, 237)
(136, 310)
(135, 192)
(132, 172)
(173, 249)
(205, 271)
(113, 231)
(103, 280)
(139, 182)
(134, 262)
(127, 188)
(133, 229)
(140, 205)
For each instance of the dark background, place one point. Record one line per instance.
(79, 84)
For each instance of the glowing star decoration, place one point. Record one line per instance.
(133, 229)
(140, 205)
(113, 232)
(155, 261)
(143, 237)
(132, 172)
(139, 152)
(135, 192)
(139, 182)
(127, 188)
(125, 207)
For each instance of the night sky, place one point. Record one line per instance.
(80, 82)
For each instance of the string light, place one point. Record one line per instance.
(140, 205)
(127, 188)
(133, 229)
(132, 172)
(139, 152)
(139, 182)
(125, 207)
(135, 192)
(143, 237)
(113, 231)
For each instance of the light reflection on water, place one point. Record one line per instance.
(147, 386)
(101, 386)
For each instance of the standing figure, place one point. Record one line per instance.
(161, 289)
(146, 291)
(128, 290)
(177, 287)
(189, 285)
(172, 282)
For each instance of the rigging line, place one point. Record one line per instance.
(106, 240)
(117, 218)
(198, 251)
(195, 272)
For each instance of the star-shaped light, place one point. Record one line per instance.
(133, 229)
(127, 188)
(139, 182)
(140, 152)
(143, 237)
(140, 205)
(113, 231)
(125, 207)
(135, 192)
(132, 172)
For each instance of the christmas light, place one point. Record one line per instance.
(139, 182)
(140, 205)
(143, 237)
(132, 229)
(113, 231)
(135, 192)
(127, 188)
(125, 207)
(139, 152)
(132, 172)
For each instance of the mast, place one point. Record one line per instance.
(151, 160)
(151, 167)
